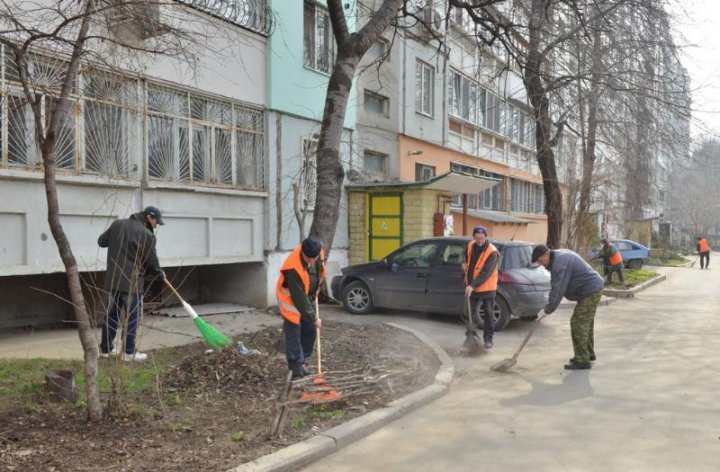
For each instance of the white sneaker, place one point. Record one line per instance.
(137, 357)
(105, 355)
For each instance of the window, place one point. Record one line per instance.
(379, 51)
(415, 256)
(110, 122)
(463, 97)
(192, 138)
(374, 162)
(493, 198)
(424, 172)
(188, 137)
(494, 115)
(520, 197)
(538, 201)
(319, 44)
(424, 85)
(375, 103)
(453, 255)
(308, 174)
(463, 169)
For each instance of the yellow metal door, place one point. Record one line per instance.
(385, 224)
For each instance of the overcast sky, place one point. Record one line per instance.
(698, 21)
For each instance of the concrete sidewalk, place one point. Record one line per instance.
(154, 332)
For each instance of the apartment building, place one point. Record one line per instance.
(187, 137)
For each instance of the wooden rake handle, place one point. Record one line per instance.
(317, 333)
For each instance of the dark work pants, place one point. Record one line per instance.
(299, 341)
(488, 306)
(704, 257)
(132, 303)
(615, 269)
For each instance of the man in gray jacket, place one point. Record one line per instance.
(574, 279)
(131, 256)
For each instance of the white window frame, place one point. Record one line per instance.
(424, 88)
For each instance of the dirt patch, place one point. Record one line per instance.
(212, 411)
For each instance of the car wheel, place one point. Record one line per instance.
(357, 299)
(635, 264)
(501, 314)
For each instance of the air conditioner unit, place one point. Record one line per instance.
(434, 18)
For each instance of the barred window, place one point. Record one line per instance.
(192, 138)
(188, 137)
(319, 44)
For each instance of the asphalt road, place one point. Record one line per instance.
(648, 404)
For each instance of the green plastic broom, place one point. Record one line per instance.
(213, 338)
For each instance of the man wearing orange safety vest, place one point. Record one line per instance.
(297, 288)
(703, 248)
(613, 261)
(481, 279)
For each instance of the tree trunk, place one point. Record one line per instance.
(87, 337)
(538, 95)
(330, 172)
(350, 50)
(591, 140)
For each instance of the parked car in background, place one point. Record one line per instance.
(634, 254)
(427, 275)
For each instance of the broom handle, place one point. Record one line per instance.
(527, 336)
(167, 282)
(319, 344)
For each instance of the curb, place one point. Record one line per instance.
(604, 301)
(303, 453)
(631, 293)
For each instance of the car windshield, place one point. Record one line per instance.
(516, 257)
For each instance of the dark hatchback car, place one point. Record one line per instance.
(427, 276)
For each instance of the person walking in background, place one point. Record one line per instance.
(481, 279)
(613, 261)
(297, 289)
(131, 256)
(574, 279)
(703, 249)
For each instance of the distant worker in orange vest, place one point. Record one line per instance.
(703, 248)
(481, 280)
(613, 261)
(297, 289)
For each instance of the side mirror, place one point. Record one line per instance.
(394, 267)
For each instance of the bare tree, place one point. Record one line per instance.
(351, 47)
(71, 34)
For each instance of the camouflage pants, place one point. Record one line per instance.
(582, 325)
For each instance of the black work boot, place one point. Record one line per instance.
(297, 371)
(306, 371)
(578, 366)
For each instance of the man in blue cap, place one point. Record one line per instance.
(297, 290)
(481, 279)
(131, 256)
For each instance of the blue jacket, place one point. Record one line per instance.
(571, 277)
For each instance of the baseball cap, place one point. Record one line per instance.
(154, 212)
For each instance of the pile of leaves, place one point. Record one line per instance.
(212, 410)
